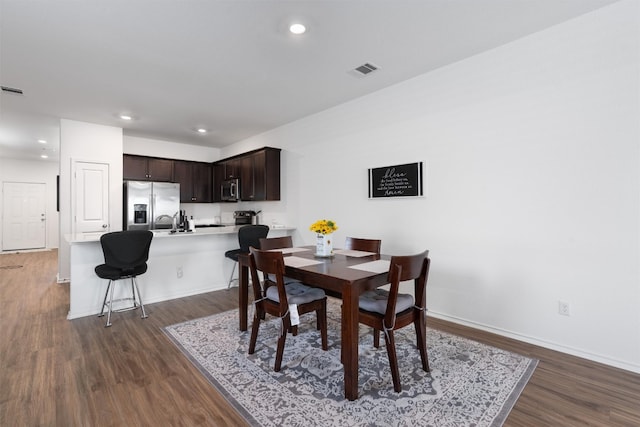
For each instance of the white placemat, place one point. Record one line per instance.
(379, 266)
(290, 250)
(295, 261)
(351, 252)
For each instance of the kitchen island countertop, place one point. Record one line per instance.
(161, 234)
(180, 264)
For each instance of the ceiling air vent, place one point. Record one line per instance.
(365, 69)
(12, 90)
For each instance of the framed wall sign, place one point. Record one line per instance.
(396, 181)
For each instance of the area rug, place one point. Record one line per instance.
(470, 384)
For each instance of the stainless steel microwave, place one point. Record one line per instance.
(230, 190)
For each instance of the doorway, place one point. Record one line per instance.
(24, 220)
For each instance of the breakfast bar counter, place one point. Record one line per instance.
(180, 264)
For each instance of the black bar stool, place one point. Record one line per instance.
(125, 257)
(248, 236)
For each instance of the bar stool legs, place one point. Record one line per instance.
(109, 305)
(233, 270)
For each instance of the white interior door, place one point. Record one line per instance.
(90, 197)
(24, 221)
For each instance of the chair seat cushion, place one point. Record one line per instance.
(105, 271)
(233, 254)
(297, 293)
(376, 301)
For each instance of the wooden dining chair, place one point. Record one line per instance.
(366, 245)
(388, 311)
(275, 243)
(275, 300)
(271, 243)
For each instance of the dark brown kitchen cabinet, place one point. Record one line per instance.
(218, 177)
(247, 187)
(260, 175)
(202, 182)
(195, 181)
(147, 168)
(232, 168)
(257, 170)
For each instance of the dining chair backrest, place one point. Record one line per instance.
(366, 245)
(403, 268)
(276, 243)
(272, 264)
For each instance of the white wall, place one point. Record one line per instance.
(531, 153)
(169, 150)
(41, 172)
(88, 142)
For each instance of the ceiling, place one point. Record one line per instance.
(231, 67)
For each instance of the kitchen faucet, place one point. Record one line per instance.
(174, 226)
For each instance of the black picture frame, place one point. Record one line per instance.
(396, 181)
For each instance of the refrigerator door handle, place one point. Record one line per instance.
(152, 211)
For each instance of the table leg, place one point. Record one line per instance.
(350, 342)
(243, 291)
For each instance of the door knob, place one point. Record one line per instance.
(104, 226)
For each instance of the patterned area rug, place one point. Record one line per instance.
(470, 384)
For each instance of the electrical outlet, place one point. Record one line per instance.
(179, 272)
(564, 308)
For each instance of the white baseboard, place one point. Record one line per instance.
(541, 343)
(24, 251)
(160, 298)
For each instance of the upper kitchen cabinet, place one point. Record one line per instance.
(147, 168)
(258, 172)
(260, 175)
(218, 177)
(195, 179)
(232, 168)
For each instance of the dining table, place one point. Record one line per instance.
(346, 274)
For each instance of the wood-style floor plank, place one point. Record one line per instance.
(56, 372)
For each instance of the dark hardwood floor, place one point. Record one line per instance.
(56, 372)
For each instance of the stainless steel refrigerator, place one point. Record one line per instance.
(150, 205)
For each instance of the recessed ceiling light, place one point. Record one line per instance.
(125, 117)
(297, 29)
(42, 141)
(44, 156)
(202, 130)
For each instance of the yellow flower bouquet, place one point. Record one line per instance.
(324, 226)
